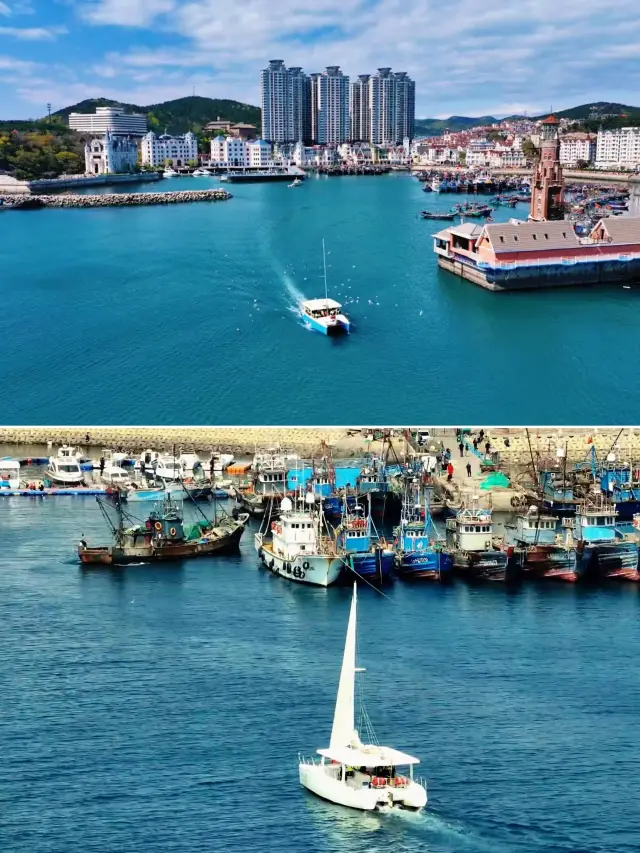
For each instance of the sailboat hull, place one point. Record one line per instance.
(322, 780)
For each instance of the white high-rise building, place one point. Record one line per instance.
(286, 108)
(332, 103)
(111, 155)
(359, 109)
(158, 150)
(618, 148)
(109, 120)
(392, 107)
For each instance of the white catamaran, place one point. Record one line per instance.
(350, 773)
(325, 315)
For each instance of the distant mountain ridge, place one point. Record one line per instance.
(594, 112)
(177, 116)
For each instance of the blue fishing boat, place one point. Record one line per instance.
(620, 482)
(476, 556)
(361, 549)
(420, 552)
(604, 552)
(325, 315)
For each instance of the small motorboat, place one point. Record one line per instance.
(353, 774)
(297, 183)
(169, 173)
(447, 217)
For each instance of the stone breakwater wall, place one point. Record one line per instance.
(236, 440)
(113, 199)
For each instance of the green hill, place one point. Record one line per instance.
(437, 126)
(177, 116)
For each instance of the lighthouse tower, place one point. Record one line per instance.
(547, 188)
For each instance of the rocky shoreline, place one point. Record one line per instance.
(33, 202)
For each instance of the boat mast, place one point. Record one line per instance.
(324, 263)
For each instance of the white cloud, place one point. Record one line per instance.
(4, 9)
(10, 63)
(33, 33)
(127, 13)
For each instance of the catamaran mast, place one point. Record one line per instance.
(324, 263)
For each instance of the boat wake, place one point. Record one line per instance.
(451, 834)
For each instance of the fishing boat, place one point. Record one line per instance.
(296, 547)
(352, 773)
(470, 540)
(447, 217)
(362, 550)
(325, 315)
(162, 536)
(268, 484)
(604, 552)
(540, 549)
(419, 547)
(436, 185)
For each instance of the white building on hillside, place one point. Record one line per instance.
(158, 150)
(617, 149)
(577, 146)
(109, 119)
(111, 155)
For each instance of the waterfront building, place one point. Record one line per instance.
(286, 103)
(359, 109)
(158, 150)
(232, 153)
(515, 255)
(618, 149)
(111, 154)
(547, 187)
(405, 106)
(109, 120)
(577, 147)
(331, 102)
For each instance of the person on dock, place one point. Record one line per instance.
(101, 465)
(461, 448)
(142, 467)
(449, 472)
(475, 443)
(468, 469)
(487, 447)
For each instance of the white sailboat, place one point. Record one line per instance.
(353, 774)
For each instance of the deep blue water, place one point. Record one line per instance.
(184, 315)
(163, 708)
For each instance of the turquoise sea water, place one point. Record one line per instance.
(163, 708)
(187, 314)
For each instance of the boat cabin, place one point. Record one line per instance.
(319, 308)
(68, 452)
(470, 530)
(412, 536)
(271, 482)
(293, 533)
(597, 524)
(368, 766)
(114, 475)
(535, 529)
(354, 533)
(9, 473)
(166, 468)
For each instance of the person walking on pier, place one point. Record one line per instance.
(449, 472)
(101, 465)
(475, 443)
(487, 447)
(461, 448)
(468, 469)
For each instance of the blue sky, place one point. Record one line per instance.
(467, 57)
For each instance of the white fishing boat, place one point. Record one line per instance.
(295, 548)
(353, 774)
(436, 185)
(325, 315)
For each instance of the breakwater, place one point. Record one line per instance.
(32, 202)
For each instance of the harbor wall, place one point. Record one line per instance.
(11, 186)
(31, 202)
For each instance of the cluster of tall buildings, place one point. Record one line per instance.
(327, 109)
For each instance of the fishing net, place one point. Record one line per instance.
(497, 480)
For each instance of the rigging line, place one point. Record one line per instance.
(362, 578)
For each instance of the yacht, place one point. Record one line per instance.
(165, 468)
(294, 546)
(169, 173)
(324, 315)
(296, 183)
(64, 471)
(349, 772)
